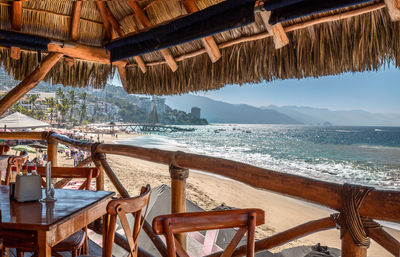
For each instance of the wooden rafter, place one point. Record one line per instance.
(146, 23)
(277, 31)
(208, 42)
(101, 6)
(393, 7)
(111, 23)
(16, 22)
(29, 82)
(76, 15)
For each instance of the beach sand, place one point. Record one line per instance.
(210, 191)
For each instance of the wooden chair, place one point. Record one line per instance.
(120, 208)
(15, 161)
(77, 243)
(244, 219)
(4, 149)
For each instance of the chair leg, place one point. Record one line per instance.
(20, 253)
(86, 243)
(75, 253)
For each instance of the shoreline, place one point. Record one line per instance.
(209, 191)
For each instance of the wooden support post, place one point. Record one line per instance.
(350, 249)
(29, 82)
(208, 42)
(277, 31)
(111, 23)
(100, 178)
(16, 22)
(52, 152)
(76, 16)
(393, 7)
(178, 195)
(146, 23)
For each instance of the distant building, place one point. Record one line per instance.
(195, 112)
(146, 103)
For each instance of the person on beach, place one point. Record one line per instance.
(76, 158)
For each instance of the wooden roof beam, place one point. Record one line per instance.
(76, 15)
(29, 82)
(277, 31)
(101, 6)
(393, 7)
(111, 23)
(146, 23)
(208, 42)
(16, 22)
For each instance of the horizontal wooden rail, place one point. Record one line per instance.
(286, 236)
(378, 204)
(23, 135)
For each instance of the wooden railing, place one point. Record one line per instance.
(374, 204)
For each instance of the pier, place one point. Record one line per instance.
(149, 127)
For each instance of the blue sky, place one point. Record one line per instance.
(371, 91)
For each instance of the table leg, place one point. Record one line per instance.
(104, 223)
(44, 248)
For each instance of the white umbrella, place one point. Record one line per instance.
(20, 121)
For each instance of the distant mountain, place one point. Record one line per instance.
(316, 116)
(221, 112)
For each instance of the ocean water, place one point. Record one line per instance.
(362, 155)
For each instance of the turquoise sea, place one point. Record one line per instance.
(362, 155)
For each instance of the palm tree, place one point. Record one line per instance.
(59, 93)
(51, 104)
(83, 107)
(40, 115)
(72, 102)
(19, 108)
(63, 108)
(32, 101)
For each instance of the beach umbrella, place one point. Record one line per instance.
(63, 147)
(38, 146)
(23, 148)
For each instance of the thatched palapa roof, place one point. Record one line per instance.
(358, 36)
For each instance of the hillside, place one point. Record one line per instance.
(316, 116)
(221, 112)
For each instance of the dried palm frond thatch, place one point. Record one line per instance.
(360, 43)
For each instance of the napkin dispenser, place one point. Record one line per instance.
(28, 188)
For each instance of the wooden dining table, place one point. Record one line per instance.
(53, 221)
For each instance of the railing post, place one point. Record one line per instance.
(350, 249)
(52, 152)
(178, 195)
(100, 178)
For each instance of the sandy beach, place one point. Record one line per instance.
(209, 192)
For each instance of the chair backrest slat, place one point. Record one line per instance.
(244, 219)
(120, 208)
(198, 221)
(71, 173)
